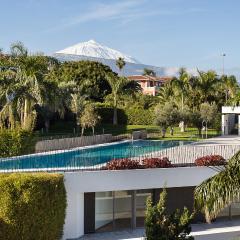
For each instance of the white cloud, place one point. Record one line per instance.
(124, 10)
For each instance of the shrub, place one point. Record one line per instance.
(159, 225)
(125, 163)
(106, 114)
(156, 163)
(15, 142)
(139, 116)
(211, 160)
(32, 206)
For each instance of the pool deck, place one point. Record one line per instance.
(219, 230)
(221, 140)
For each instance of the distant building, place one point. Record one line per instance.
(150, 84)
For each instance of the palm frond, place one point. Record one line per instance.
(219, 191)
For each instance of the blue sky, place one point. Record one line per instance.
(190, 33)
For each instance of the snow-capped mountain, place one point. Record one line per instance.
(93, 49)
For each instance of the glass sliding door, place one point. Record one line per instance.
(141, 198)
(122, 209)
(104, 211)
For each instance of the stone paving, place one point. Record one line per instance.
(219, 230)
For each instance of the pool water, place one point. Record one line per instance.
(88, 157)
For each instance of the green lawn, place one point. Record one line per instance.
(61, 129)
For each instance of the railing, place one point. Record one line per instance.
(187, 155)
(95, 158)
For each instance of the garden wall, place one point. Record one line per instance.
(68, 143)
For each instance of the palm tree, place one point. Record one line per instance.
(230, 86)
(18, 49)
(219, 191)
(149, 72)
(166, 93)
(206, 86)
(181, 85)
(120, 63)
(117, 85)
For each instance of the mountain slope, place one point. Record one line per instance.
(96, 50)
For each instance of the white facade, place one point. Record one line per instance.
(78, 183)
(228, 119)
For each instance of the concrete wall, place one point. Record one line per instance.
(78, 183)
(139, 134)
(68, 143)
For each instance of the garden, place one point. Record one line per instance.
(41, 97)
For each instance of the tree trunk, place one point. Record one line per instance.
(93, 131)
(199, 131)
(25, 113)
(182, 126)
(82, 131)
(47, 124)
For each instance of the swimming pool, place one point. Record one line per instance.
(85, 157)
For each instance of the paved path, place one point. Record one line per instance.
(220, 230)
(221, 140)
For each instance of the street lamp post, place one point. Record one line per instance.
(223, 55)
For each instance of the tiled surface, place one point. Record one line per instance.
(220, 230)
(136, 234)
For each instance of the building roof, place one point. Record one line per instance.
(149, 78)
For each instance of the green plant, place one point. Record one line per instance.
(15, 142)
(32, 206)
(160, 225)
(219, 191)
(139, 116)
(210, 160)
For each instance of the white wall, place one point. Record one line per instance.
(74, 220)
(98, 181)
(230, 109)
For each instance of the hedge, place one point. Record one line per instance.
(15, 142)
(133, 115)
(32, 206)
(139, 116)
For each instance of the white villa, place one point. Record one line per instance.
(230, 120)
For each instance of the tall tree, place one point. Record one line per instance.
(89, 118)
(206, 85)
(149, 72)
(120, 63)
(117, 85)
(230, 86)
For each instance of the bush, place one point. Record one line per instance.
(125, 163)
(106, 114)
(139, 116)
(15, 142)
(32, 206)
(159, 225)
(156, 163)
(211, 160)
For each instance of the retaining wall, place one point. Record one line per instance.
(68, 143)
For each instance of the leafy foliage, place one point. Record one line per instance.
(15, 142)
(89, 118)
(127, 163)
(160, 225)
(167, 115)
(156, 163)
(217, 192)
(211, 160)
(32, 206)
(120, 164)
